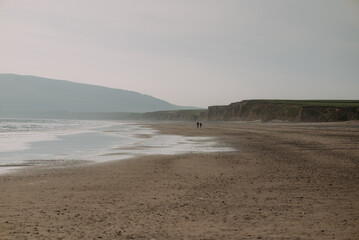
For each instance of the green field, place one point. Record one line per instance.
(319, 103)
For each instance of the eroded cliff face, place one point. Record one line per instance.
(250, 110)
(328, 114)
(262, 110)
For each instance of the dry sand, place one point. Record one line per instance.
(284, 181)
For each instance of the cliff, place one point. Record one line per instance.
(306, 111)
(267, 110)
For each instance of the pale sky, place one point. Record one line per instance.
(189, 52)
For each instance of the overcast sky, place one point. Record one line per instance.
(189, 52)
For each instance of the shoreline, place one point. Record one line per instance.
(100, 142)
(284, 181)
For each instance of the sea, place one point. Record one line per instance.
(31, 142)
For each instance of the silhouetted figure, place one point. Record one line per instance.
(200, 125)
(197, 124)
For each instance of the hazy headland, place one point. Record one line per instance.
(30, 95)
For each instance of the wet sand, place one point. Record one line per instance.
(284, 181)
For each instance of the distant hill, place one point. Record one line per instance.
(35, 94)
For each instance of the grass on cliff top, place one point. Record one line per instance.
(319, 103)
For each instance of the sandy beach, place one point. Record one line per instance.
(283, 181)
